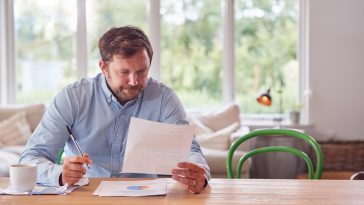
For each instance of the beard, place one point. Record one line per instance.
(128, 93)
(124, 93)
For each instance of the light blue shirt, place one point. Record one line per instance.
(100, 124)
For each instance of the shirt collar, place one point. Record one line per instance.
(107, 93)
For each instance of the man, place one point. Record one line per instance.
(98, 110)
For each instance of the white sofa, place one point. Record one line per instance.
(215, 132)
(16, 125)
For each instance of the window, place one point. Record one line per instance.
(192, 51)
(191, 41)
(266, 39)
(102, 15)
(45, 51)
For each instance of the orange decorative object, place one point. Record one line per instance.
(265, 98)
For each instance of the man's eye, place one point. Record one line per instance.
(141, 72)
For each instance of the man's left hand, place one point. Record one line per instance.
(190, 174)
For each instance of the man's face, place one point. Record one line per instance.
(126, 77)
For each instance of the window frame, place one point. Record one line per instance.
(7, 52)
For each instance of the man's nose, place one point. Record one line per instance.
(133, 80)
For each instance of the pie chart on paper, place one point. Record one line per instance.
(132, 188)
(138, 187)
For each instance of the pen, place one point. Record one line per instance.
(76, 143)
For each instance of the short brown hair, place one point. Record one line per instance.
(125, 41)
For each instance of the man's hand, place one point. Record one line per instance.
(73, 169)
(190, 174)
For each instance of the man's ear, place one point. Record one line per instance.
(103, 67)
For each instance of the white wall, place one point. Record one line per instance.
(336, 52)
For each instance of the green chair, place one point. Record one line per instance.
(276, 132)
(60, 155)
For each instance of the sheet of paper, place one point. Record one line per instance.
(156, 148)
(132, 188)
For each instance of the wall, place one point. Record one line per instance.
(337, 68)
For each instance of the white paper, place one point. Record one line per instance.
(132, 188)
(156, 148)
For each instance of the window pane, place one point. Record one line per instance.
(191, 55)
(266, 53)
(45, 48)
(104, 14)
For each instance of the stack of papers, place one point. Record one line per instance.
(46, 190)
(132, 188)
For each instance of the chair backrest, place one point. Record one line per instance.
(276, 132)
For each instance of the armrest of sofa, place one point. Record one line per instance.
(246, 146)
(216, 159)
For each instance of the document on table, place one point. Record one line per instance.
(156, 148)
(132, 188)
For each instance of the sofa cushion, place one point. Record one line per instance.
(200, 128)
(222, 118)
(245, 146)
(14, 130)
(34, 113)
(217, 140)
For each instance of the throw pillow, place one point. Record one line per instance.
(200, 128)
(221, 118)
(217, 140)
(34, 113)
(14, 130)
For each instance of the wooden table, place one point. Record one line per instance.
(220, 191)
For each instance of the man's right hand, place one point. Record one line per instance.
(73, 170)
